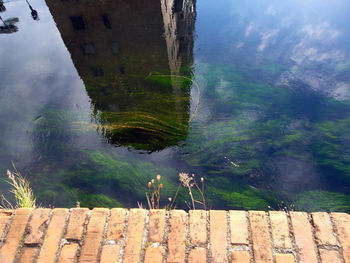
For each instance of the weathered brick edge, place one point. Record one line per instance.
(137, 235)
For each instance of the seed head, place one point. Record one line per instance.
(161, 186)
(152, 181)
(202, 179)
(158, 177)
(10, 175)
(170, 199)
(149, 184)
(185, 179)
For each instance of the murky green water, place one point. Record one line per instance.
(97, 97)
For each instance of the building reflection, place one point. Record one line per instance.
(127, 52)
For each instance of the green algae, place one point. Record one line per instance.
(258, 123)
(118, 178)
(150, 113)
(323, 201)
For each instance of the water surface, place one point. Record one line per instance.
(97, 97)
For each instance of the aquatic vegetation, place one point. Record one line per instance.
(150, 113)
(255, 126)
(319, 200)
(116, 177)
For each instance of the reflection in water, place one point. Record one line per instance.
(2, 6)
(33, 12)
(131, 73)
(9, 26)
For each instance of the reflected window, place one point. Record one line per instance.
(178, 6)
(77, 22)
(122, 70)
(115, 48)
(106, 21)
(89, 49)
(97, 71)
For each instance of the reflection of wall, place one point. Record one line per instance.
(179, 18)
(115, 45)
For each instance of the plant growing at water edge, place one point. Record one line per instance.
(155, 187)
(153, 195)
(189, 182)
(23, 193)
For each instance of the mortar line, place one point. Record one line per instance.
(292, 236)
(228, 237)
(41, 241)
(7, 228)
(252, 256)
(82, 239)
(335, 231)
(102, 243)
(20, 244)
(188, 244)
(166, 235)
(62, 240)
(272, 243)
(123, 241)
(144, 237)
(313, 232)
(208, 237)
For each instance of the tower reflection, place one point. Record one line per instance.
(131, 56)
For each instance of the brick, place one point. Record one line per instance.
(303, 237)
(154, 255)
(76, 222)
(16, 231)
(197, 255)
(218, 236)
(284, 258)
(342, 223)
(240, 257)
(198, 227)
(5, 215)
(116, 224)
(68, 253)
(280, 229)
(323, 229)
(94, 235)
(37, 226)
(177, 236)
(330, 256)
(110, 253)
(156, 225)
(239, 227)
(53, 236)
(27, 255)
(260, 237)
(133, 239)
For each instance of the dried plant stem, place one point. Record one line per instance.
(192, 199)
(201, 191)
(173, 200)
(149, 204)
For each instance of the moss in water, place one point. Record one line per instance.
(118, 178)
(323, 201)
(142, 112)
(255, 124)
(235, 194)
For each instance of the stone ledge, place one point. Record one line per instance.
(138, 235)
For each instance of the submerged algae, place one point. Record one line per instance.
(322, 201)
(257, 126)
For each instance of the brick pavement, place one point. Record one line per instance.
(137, 235)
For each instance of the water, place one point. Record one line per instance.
(98, 97)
